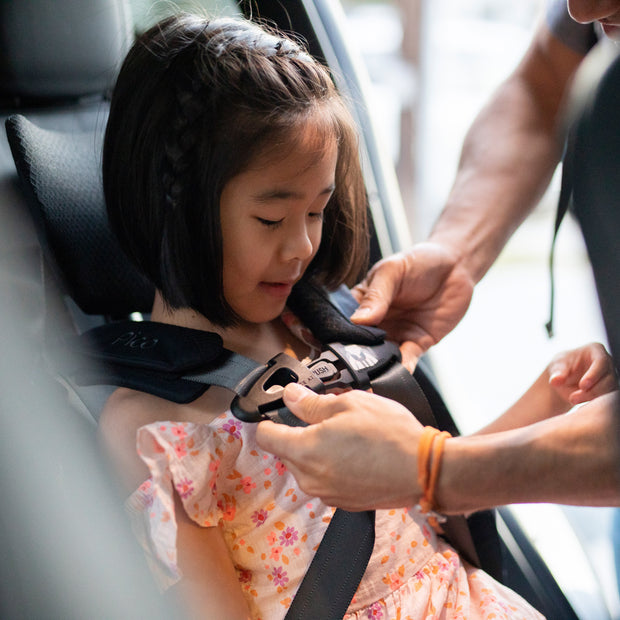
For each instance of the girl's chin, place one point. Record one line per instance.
(257, 316)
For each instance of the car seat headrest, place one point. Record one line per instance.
(63, 49)
(62, 181)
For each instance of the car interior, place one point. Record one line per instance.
(61, 272)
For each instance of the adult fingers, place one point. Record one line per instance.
(410, 352)
(376, 293)
(286, 441)
(597, 370)
(558, 371)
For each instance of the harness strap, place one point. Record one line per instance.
(333, 577)
(564, 201)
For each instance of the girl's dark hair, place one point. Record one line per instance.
(194, 103)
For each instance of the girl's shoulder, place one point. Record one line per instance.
(128, 410)
(123, 414)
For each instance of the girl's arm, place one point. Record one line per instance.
(209, 587)
(571, 378)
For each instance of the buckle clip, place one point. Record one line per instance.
(261, 391)
(339, 367)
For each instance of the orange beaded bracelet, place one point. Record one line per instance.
(430, 452)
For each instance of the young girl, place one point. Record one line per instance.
(230, 170)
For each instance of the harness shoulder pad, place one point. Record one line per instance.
(148, 345)
(327, 314)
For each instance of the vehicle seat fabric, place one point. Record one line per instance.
(61, 177)
(58, 62)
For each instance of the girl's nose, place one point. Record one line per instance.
(298, 244)
(586, 11)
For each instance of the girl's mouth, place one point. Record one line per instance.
(277, 289)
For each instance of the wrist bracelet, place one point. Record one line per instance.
(430, 453)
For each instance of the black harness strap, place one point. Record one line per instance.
(564, 201)
(336, 569)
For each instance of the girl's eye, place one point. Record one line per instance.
(269, 223)
(318, 215)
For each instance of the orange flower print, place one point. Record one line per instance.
(228, 507)
(247, 485)
(178, 431)
(145, 487)
(276, 552)
(185, 488)
(394, 580)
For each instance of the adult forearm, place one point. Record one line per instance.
(569, 459)
(508, 156)
(505, 167)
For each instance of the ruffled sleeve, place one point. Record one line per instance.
(188, 459)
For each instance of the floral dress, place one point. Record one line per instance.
(272, 530)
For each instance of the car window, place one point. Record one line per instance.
(148, 12)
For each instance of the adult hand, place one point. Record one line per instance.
(582, 374)
(359, 452)
(417, 297)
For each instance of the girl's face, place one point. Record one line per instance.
(272, 218)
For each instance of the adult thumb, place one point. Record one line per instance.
(307, 405)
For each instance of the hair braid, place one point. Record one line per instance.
(182, 138)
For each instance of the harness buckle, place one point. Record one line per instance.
(339, 367)
(261, 391)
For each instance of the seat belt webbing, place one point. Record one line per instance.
(564, 201)
(336, 569)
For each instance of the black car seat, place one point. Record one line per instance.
(59, 62)
(67, 551)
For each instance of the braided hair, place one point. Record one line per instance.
(196, 101)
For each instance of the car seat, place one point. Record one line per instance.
(59, 60)
(54, 273)
(66, 549)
